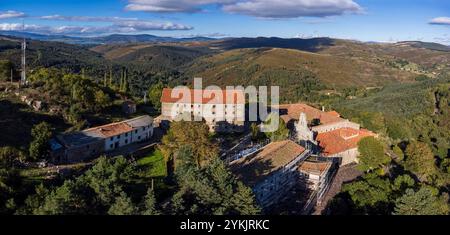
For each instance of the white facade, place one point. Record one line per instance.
(142, 129)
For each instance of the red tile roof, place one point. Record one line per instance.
(290, 112)
(205, 96)
(341, 140)
(112, 129)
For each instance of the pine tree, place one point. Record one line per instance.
(422, 202)
(122, 206)
(149, 204)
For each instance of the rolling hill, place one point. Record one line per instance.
(276, 66)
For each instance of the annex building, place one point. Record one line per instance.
(78, 146)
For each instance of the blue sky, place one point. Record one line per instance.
(365, 20)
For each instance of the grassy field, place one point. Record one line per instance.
(154, 164)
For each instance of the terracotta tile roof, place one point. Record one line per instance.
(112, 129)
(289, 112)
(207, 96)
(316, 168)
(341, 140)
(334, 113)
(252, 170)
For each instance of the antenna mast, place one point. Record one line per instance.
(24, 60)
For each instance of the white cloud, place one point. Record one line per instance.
(172, 5)
(11, 14)
(85, 18)
(294, 8)
(120, 27)
(257, 8)
(150, 25)
(441, 21)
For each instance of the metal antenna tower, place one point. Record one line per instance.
(24, 60)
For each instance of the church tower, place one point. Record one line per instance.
(302, 129)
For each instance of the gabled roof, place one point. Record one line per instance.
(252, 170)
(99, 133)
(341, 140)
(289, 112)
(202, 96)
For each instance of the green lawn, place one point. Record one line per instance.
(154, 164)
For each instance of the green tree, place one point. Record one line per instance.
(41, 135)
(5, 70)
(69, 199)
(8, 155)
(122, 206)
(102, 100)
(371, 154)
(282, 132)
(255, 131)
(420, 160)
(422, 202)
(370, 193)
(150, 204)
(399, 153)
(211, 190)
(154, 95)
(194, 135)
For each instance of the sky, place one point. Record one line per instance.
(364, 20)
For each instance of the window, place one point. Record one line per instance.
(135, 131)
(126, 134)
(112, 138)
(126, 141)
(111, 146)
(139, 138)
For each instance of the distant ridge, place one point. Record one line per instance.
(426, 45)
(110, 39)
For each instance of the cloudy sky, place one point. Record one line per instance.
(365, 20)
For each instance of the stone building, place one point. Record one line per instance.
(272, 171)
(90, 143)
(328, 132)
(222, 110)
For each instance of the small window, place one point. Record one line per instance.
(126, 141)
(111, 145)
(112, 138)
(139, 138)
(136, 131)
(126, 134)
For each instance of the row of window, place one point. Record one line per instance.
(214, 106)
